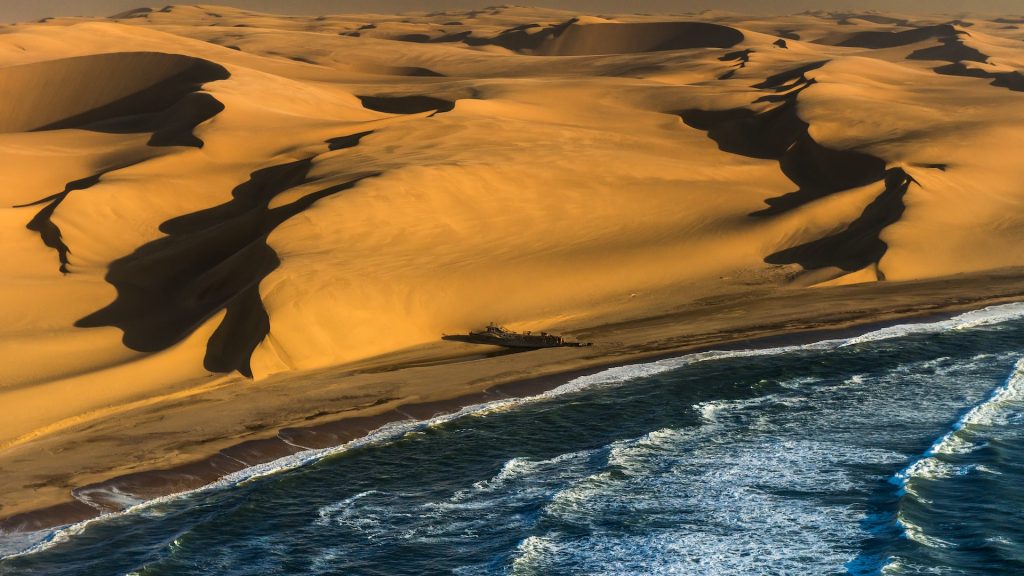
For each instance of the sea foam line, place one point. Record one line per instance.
(36, 542)
(929, 466)
(1012, 389)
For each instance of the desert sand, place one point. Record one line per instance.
(220, 227)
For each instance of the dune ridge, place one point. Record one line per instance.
(93, 91)
(42, 222)
(573, 38)
(209, 261)
(886, 39)
(778, 133)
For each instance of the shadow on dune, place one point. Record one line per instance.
(124, 92)
(778, 133)
(133, 13)
(42, 223)
(408, 71)
(1009, 80)
(859, 244)
(879, 40)
(951, 48)
(617, 38)
(342, 142)
(416, 71)
(210, 260)
(571, 38)
(955, 51)
(741, 59)
(843, 18)
(406, 104)
(170, 127)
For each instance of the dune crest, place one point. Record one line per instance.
(778, 133)
(99, 92)
(209, 261)
(576, 37)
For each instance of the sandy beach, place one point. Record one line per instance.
(231, 236)
(219, 425)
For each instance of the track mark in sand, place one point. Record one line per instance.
(210, 260)
(778, 133)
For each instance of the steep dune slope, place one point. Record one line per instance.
(94, 91)
(576, 37)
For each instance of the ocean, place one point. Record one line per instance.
(900, 451)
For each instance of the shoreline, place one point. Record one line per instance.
(121, 492)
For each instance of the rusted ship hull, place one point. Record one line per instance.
(530, 342)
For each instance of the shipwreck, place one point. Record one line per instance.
(497, 336)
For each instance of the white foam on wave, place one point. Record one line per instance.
(497, 504)
(917, 534)
(744, 501)
(973, 319)
(327, 514)
(714, 504)
(715, 492)
(711, 411)
(516, 469)
(20, 544)
(1001, 404)
(729, 498)
(1005, 400)
(23, 544)
(991, 315)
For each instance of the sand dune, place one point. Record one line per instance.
(95, 91)
(778, 133)
(218, 223)
(406, 104)
(885, 39)
(209, 261)
(578, 37)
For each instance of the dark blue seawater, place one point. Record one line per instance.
(899, 452)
